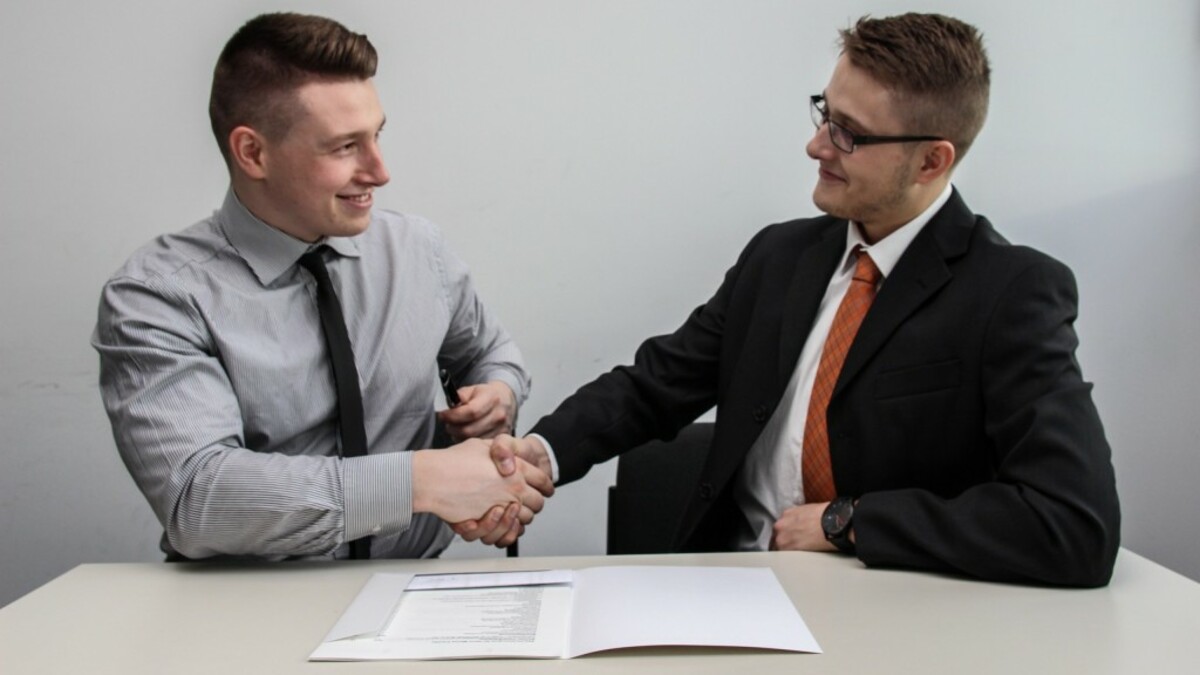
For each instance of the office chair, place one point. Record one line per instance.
(654, 482)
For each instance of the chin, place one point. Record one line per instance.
(353, 231)
(828, 207)
(350, 227)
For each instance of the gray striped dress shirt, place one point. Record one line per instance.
(215, 376)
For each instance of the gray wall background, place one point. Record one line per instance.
(599, 164)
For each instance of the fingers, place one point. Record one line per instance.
(487, 424)
(486, 410)
(512, 536)
(503, 453)
(525, 515)
(470, 530)
(508, 524)
(500, 526)
(537, 479)
(531, 499)
(505, 450)
(505, 458)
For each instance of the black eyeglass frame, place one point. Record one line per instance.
(820, 115)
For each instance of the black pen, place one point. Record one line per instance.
(449, 388)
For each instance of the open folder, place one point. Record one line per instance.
(564, 614)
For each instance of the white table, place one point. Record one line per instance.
(202, 618)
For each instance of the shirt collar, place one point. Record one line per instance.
(268, 251)
(886, 252)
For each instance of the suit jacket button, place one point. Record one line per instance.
(706, 491)
(760, 414)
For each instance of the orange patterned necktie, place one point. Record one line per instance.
(816, 470)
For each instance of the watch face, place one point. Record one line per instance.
(837, 516)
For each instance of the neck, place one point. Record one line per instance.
(920, 198)
(248, 194)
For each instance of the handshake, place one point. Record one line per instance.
(488, 489)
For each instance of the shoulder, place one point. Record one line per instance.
(995, 255)
(786, 239)
(176, 259)
(972, 246)
(801, 230)
(408, 248)
(403, 231)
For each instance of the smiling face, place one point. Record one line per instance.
(878, 186)
(317, 179)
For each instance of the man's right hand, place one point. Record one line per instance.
(463, 481)
(498, 527)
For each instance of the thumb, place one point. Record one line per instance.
(467, 393)
(503, 456)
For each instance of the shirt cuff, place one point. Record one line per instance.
(550, 455)
(377, 494)
(519, 389)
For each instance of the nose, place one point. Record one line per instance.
(820, 146)
(372, 170)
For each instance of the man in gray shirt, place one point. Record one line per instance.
(215, 370)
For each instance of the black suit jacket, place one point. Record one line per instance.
(960, 420)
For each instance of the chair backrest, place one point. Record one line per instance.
(654, 483)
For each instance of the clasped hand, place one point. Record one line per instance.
(498, 526)
(476, 477)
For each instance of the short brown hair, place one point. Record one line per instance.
(271, 56)
(936, 67)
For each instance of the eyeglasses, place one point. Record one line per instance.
(846, 140)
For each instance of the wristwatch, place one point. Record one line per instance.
(837, 521)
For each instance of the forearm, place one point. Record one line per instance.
(994, 531)
(233, 501)
(666, 388)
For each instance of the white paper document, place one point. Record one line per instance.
(565, 613)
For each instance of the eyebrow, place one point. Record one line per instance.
(342, 138)
(845, 120)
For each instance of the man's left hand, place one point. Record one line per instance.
(799, 529)
(487, 410)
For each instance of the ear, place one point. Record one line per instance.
(247, 150)
(936, 162)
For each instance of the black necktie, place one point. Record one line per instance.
(345, 376)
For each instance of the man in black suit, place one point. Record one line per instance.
(959, 433)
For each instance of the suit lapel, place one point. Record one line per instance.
(919, 273)
(813, 271)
